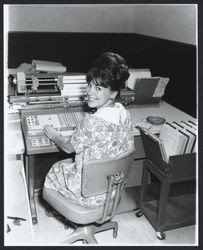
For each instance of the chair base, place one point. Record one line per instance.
(86, 233)
(50, 212)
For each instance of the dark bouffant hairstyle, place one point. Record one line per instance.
(109, 70)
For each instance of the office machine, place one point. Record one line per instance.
(33, 121)
(58, 90)
(37, 83)
(148, 89)
(46, 90)
(56, 99)
(47, 98)
(127, 97)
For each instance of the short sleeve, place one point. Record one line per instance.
(82, 138)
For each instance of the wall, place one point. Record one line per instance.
(161, 38)
(173, 22)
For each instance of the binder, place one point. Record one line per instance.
(150, 90)
(192, 124)
(192, 131)
(190, 136)
(186, 124)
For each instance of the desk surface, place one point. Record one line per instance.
(16, 204)
(139, 113)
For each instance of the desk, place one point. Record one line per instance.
(170, 113)
(14, 143)
(138, 113)
(16, 203)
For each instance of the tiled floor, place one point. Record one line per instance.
(132, 231)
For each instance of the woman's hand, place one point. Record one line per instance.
(50, 132)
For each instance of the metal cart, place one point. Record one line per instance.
(167, 212)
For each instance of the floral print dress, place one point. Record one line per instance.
(105, 134)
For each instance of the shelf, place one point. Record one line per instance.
(180, 212)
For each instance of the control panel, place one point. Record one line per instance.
(63, 120)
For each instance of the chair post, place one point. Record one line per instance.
(118, 190)
(119, 182)
(113, 180)
(108, 198)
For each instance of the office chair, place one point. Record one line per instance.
(98, 177)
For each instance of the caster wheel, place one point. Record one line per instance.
(115, 233)
(34, 220)
(161, 235)
(49, 213)
(139, 213)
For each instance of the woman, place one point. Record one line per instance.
(105, 133)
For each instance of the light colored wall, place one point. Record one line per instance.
(173, 22)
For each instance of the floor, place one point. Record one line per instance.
(132, 231)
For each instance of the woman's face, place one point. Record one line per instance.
(98, 96)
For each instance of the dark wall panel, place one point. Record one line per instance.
(77, 51)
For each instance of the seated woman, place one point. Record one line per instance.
(105, 133)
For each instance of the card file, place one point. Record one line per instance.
(190, 135)
(175, 138)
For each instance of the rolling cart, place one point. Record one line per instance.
(166, 212)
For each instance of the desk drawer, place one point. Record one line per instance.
(139, 149)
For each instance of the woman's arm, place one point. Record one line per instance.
(62, 142)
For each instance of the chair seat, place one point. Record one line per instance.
(70, 210)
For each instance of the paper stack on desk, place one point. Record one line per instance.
(47, 66)
(75, 84)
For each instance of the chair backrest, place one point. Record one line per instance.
(96, 172)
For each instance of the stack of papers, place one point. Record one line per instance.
(177, 139)
(74, 84)
(174, 142)
(47, 66)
